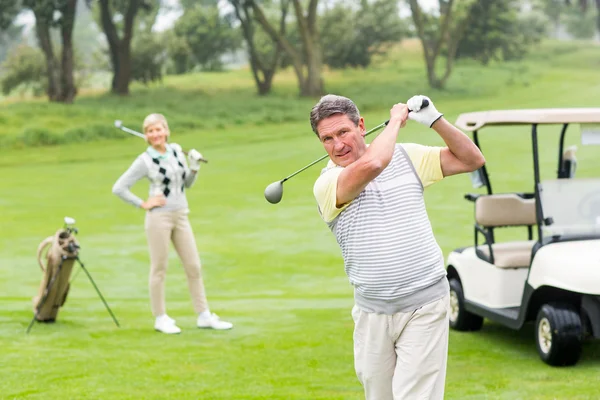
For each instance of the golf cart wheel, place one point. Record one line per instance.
(460, 318)
(558, 334)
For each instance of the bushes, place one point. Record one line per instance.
(39, 136)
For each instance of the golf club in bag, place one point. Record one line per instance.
(274, 192)
(119, 125)
(62, 251)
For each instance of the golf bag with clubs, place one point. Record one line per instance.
(62, 250)
(57, 256)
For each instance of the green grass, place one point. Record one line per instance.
(275, 271)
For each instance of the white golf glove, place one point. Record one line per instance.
(194, 157)
(426, 116)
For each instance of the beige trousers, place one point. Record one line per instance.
(162, 227)
(402, 356)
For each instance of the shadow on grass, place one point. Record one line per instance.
(523, 340)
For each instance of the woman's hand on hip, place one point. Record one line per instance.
(154, 201)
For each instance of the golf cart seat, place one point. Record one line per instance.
(510, 254)
(504, 210)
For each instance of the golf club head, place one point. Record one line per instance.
(274, 192)
(118, 123)
(69, 221)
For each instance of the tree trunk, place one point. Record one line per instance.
(257, 65)
(446, 38)
(120, 49)
(52, 69)
(123, 73)
(69, 91)
(312, 83)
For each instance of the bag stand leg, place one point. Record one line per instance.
(98, 291)
(46, 292)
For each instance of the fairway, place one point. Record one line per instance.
(275, 271)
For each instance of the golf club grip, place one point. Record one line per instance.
(424, 104)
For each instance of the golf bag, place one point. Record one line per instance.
(61, 252)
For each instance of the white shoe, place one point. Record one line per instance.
(212, 321)
(167, 325)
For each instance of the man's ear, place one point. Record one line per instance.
(361, 126)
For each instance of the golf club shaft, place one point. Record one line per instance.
(138, 134)
(327, 155)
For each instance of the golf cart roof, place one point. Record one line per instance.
(476, 120)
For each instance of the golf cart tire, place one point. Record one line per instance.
(465, 321)
(566, 332)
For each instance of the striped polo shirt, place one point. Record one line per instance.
(390, 254)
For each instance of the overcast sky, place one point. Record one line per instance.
(169, 14)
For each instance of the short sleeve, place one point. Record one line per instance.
(427, 162)
(325, 191)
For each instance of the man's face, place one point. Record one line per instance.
(343, 141)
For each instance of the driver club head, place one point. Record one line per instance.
(118, 123)
(69, 221)
(274, 192)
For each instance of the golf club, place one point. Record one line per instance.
(119, 125)
(274, 192)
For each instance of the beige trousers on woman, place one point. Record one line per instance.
(162, 227)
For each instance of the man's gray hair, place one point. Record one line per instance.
(332, 104)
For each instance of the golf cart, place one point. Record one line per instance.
(552, 275)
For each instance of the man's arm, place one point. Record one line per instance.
(356, 176)
(461, 155)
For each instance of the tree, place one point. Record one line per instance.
(208, 34)
(307, 60)
(498, 30)
(584, 5)
(350, 36)
(148, 57)
(263, 53)
(120, 46)
(441, 32)
(24, 67)
(60, 14)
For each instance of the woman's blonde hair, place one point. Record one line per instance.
(155, 119)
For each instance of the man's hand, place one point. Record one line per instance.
(427, 116)
(154, 201)
(400, 112)
(194, 158)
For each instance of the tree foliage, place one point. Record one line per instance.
(499, 31)
(24, 68)
(351, 35)
(208, 34)
(440, 34)
(264, 53)
(148, 58)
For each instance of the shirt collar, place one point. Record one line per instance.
(155, 154)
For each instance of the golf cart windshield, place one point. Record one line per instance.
(571, 207)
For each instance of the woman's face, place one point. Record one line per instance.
(156, 134)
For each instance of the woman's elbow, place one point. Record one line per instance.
(117, 190)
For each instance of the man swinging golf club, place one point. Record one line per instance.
(371, 197)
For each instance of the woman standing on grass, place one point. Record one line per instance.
(167, 219)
